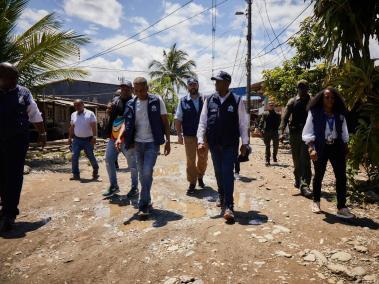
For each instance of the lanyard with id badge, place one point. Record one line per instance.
(330, 121)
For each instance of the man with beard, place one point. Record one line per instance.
(186, 123)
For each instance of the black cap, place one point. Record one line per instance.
(222, 76)
(8, 70)
(192, 81)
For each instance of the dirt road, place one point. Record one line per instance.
(67, 233)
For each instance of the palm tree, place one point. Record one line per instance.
(40, 52)
(175, 66)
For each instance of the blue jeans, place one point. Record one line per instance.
(78, 145)
(111, 155)
(147, 154)
(223, 162)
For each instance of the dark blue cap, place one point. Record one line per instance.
(222, 76)
(192, 81)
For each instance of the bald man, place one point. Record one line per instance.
(82, 136)
(17, 111)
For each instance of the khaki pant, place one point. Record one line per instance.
(195, 171)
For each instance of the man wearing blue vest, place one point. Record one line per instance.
(17, 111)
(223, 121)
(186, 123)
(116, 119)
(146, 124)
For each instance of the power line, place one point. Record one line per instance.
(276, 37)
(155, 33)
(134, 35)
(272, 28)
(239, 44)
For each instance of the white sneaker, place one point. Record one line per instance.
(345, 213)
(316, 207)
(237, 176)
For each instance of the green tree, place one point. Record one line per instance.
(175, 66)
(308, 63)
(348, 27)
(41, 50)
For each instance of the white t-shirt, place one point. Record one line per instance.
(142, 124)
(82, 123)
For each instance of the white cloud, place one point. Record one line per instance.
(29, 17)
(91, 30)
(107, 13)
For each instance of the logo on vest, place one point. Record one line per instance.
(153, 108)
(230, 109)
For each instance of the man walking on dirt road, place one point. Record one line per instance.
(186, 123)
(223, 121)
(269, 126)
(116, 119)
(82, 136)
(295, 115)
(17, 111)
(146, 125)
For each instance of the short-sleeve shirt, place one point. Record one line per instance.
(144, 133)
(82, 123)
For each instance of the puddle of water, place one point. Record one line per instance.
(170, 170)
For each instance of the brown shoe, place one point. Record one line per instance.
(229, 215)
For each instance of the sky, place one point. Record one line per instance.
(109, 22)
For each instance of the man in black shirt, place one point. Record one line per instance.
(295, 115)
(269, 125)
(116, 111)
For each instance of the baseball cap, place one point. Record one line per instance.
(192, 81)
(222, 76)
(124, 82)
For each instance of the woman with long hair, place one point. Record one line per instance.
(326, 135)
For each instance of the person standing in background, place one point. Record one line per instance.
(82, 136)
(269, 126)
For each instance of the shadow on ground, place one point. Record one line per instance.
(160, 217)
(20, 229)
(355, 222)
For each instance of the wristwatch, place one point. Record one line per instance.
(43, 134)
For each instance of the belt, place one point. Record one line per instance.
(83, 138)
(329, 142)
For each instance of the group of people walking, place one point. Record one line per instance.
(138, 126)
(318, 132)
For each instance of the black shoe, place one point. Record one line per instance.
(201, 182)
(95, 174)
(112, 190)
(75, 177)
(306, 192)
(6, 224)
(275, 160)
(191, 189)
(229, 215)
(133, 192)
(267, 163)
(145, 210)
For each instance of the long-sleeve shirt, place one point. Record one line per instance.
(308, 134)
(242, 116)
(270, 121)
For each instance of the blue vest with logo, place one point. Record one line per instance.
(154, 114)
(319, 125)
(223, 121)
(14, 119)
(191, 116)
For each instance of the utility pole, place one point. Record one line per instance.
(248, 59)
